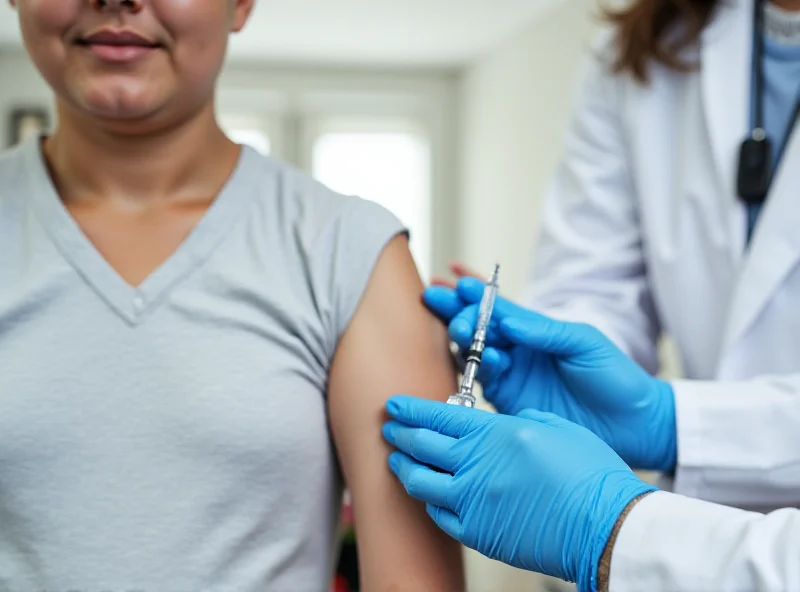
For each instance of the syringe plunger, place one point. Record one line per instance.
(487, 306)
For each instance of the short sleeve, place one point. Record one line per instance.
(345, 255)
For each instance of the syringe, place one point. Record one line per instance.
(465, 396)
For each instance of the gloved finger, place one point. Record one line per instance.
(446, 520)
(426, 446)
(494, 363)
(444, 302)
(459, 356)
(450, 420)
(461, 332)
(550, 335)
(470, 290)
(421, 482)
(462, 328)
(545, 418)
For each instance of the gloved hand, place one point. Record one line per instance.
(569, 369)
(534, 491)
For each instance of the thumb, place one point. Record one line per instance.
(542, 333)
(449, 420)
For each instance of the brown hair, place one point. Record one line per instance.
(659, 31)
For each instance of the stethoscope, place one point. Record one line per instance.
(755, 155)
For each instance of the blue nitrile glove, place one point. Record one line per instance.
(569, 369)
(534, 491)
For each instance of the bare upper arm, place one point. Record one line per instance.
(392, 346)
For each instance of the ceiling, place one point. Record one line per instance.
(407, 32)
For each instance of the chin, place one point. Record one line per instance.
(123, 102)
(121, 113)
(122, 108)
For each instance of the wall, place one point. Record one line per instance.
(515, 103)
(514, 106)
(20, 86)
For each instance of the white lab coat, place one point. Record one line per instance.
(673, 543)
(643, 232)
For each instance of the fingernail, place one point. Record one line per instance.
(393, 407)
(394, 462)
(436, 292)
(429, 292)
(491, 359)
(388, 433)
(471, 284)
(459, 328)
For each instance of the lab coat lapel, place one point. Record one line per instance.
(775, 246)
(725, 78)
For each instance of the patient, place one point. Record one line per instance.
(195, 341)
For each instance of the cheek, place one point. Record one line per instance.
(44, 25)
(48, 17)
(200, 29)
(198, 68)
(193, 19)
(198, 59)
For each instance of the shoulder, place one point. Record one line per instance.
(610, 101)
(602, 47)
(600, 70)
(310, 208)
(330, 243)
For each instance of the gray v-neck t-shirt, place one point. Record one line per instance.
(173, 437)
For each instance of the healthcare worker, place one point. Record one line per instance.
(676, 209)
(542, 493)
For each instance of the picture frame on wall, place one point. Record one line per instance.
(25, 123)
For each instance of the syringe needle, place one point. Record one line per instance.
(493, 278)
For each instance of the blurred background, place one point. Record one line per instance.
(448, 112)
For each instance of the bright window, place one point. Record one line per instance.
(249, 129)
(251, 137)
(390, 168)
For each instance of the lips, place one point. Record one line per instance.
(118, 45)
(121, 38)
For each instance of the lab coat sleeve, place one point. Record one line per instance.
(739, 442)
(670, 542)
(588, 264)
